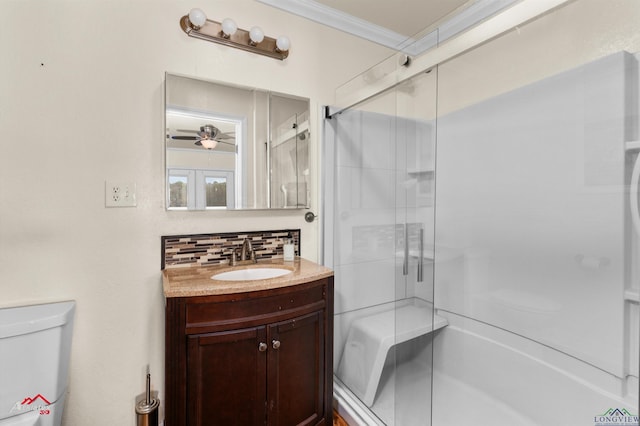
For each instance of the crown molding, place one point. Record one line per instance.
(328, 16)
(317, 12)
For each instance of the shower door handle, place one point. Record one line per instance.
(421, 259)
(405, 262)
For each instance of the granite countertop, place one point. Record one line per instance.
(196, 281)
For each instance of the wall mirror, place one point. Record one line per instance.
(234, 148)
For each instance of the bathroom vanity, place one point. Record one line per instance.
(249, 352)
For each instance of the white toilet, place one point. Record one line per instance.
(35, 347)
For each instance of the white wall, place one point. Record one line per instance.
(572, 35)
(81, 102)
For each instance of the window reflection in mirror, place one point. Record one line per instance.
(230, 147)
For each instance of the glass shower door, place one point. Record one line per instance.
(364, 238)
(288, 159)
(415, 320)
(381, 249)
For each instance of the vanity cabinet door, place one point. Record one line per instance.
(295, 372)
(226, 378)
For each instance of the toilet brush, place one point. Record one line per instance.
(147, 409)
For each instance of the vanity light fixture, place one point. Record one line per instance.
(256, 35)
(196, 24)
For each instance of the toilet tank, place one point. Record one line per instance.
(35, 348)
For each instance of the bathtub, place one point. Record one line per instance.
(484, 375)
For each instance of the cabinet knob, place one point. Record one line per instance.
(275, 344)
(262, 347)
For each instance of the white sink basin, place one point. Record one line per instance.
(249, 274)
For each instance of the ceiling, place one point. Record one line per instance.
(402, 25)
(405, 17)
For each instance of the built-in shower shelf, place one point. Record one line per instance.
(632, 145)
(420, 171)
(371, 337)
(632, 295)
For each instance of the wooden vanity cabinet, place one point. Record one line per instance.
(257, 358)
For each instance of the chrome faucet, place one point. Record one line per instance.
(247, 255)
(247, 250)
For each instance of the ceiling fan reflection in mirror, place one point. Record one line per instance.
(208, 136)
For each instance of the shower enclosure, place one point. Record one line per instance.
(384, 181)
(383, 256)
(485, 244)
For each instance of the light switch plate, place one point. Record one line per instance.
(120, 194)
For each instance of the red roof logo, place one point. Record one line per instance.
(29, 401)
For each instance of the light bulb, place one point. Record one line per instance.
(197, 18)
(229, 27)
(209, 143)
(282, 43)
(256, 35)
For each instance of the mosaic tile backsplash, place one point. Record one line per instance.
(386, 237)
(180, 251)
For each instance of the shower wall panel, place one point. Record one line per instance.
(532, 230)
